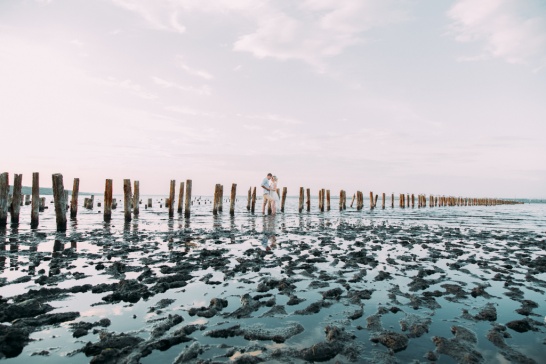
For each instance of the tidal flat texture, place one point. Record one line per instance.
(453, 284)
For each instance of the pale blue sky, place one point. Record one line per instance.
(442, 97)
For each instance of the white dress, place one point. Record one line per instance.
(273, 193)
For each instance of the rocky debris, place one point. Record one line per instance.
(259, 332)
(526, 308)
(190, 353)
(248, 305)
(12, 340)
(82, 328)
(294, 300)
(462, 347)
(125, 290)
(496, 335)
(415, 325)
(46, 319)
(523, 325)
(357, 314)
(111, 347)
(332, 294)
(487, 313)
(275, 311)
(216, 305)
(313, 308)
(392, 340)
(285, 285)
(28, 308)
(163, 327)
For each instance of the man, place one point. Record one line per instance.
(265, 186)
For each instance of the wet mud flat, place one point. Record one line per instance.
(287, 289)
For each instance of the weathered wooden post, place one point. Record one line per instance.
(136, 198)
(301, 199)
(412, 200)
(232, 197)
(215, 199)
(308, 199)
(340, 200)
(108, 188)
(35, 206)
(74, 199)
(253, 207)
(344, 200)
(150, 202)
(383, 201)
(327, 200)
(320, 204)
(180, 198)
(42, 204)
(60, 202)
(249, 199)
(16, 200)
(283, 198)
(221, 198)
(4, 190)
(171, 198)
(372, 206)
(127, 197)
(401, 200)
(188, 198)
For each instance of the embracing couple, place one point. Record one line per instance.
(269, 184)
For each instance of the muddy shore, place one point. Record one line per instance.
(292, 288)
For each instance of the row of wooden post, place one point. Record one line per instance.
(132, 198)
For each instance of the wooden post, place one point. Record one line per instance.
(35, 207)
(327, 200)
(150, 202)
(180, 197)
(249, 199)
(372, 206)
(188, 198)
(323, 199)
(300, 202)
(215, 199)
(383, 201)
(60, 202)
(171, 198)
(15, 208)
(127, 197)
(66, 199)
(344, 200)
(108, 200)
(136, 198)
(221, 198)
(253, 207)
(42, 204)
(401, 200)
(353, 200)
(412, 200)
(340, 200)
(74, 200)
(232, 199)
(308, 199)
(321, 208)
(283, 198)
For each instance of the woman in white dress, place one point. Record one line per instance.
(274, 195)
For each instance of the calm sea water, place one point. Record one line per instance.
(486, 225)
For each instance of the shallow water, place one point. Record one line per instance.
(401, 242)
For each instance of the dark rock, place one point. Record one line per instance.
(392, 340)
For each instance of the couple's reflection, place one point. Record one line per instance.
(269, 240)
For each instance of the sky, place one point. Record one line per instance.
(396, 96)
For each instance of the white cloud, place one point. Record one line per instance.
(130, 86)
(203, 90)
(309, 31)
(193, 71)
(513, 30)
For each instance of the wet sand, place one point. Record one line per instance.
(453, 285)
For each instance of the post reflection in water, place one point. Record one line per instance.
(269, 240)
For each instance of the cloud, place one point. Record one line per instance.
(129, 85)
(159, 15)
(323, 28)
(309, 31)
(202, 90)
(193, 71)
(512, 30)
